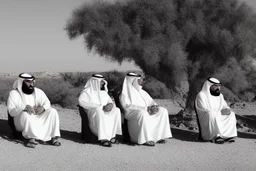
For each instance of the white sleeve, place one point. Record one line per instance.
(12, 104)
(225, 105)
(45, 102)
(127, 106)
(200, 104)
(84, 101)
(151, 101)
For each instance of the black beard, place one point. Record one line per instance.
(215, 93)
(27, 90)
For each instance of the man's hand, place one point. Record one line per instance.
(29, 109)
(108, 107)
(39, 110)
(225, 111)
(153, 109)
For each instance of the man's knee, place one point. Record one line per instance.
(143, 114)
(25, 115)
(212, 115)
(233, 115)
(22, 119)
(52, 111)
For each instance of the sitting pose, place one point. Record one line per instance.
(148, 123)
(216, 120)
(32, 113)
(104, 117)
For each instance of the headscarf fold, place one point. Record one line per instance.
(92, 88)
(210, 101)
(17, 85)
(132, 93)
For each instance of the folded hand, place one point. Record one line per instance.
(108, 107)
(225, 111)
(29, 109)
(39, 110)
(153, 109)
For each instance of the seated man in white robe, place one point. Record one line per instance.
(216, 120)
(148, 123)
(104, 117)
(32, 113)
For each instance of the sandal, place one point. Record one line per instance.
(114, 141)
(30, 143)
(162, 141)
(106, 143)
(230, 140)
(149, 143)
(218, 140)
(55, 142)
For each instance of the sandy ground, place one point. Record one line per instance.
(182, 152)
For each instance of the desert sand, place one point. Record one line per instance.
(182, 152)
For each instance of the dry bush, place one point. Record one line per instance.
(77, 79)
(156, 89)
(59, 92)
(229, 95)
(248, 96)
(5, 88)
(115, 80)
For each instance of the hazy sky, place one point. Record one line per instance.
(32, 38)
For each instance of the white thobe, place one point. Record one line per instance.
(142, 126)
(105, 125)
(212, 122)
(42, 127)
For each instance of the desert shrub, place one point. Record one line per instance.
(5, 88)
(77, 79)
(59, 92)
(229, 95)
(248, 96)
(233, 77)
(115, 80)
(156, 89)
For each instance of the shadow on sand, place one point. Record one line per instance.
(72, 136)
(181, 134)
(186, 135)
(6, 133)
(245, 121)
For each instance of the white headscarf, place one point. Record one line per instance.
(92, 88)
(18, 84)
(210, 101)
(132, 93)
